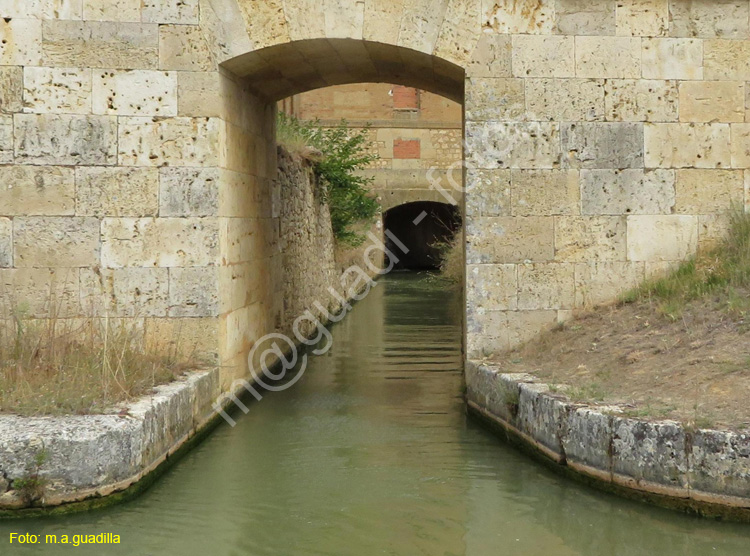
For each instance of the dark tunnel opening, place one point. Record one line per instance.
(423, 227)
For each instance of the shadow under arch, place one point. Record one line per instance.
(423, 227)
(287, 69)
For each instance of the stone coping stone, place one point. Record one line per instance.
(88, 456)
(664, 462)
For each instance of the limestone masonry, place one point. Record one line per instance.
(604, 142)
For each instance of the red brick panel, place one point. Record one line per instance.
(405, 98)
(407, 148)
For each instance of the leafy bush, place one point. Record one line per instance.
(344, 154)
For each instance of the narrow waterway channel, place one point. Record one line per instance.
(371, 453)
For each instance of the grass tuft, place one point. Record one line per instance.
(723, 271)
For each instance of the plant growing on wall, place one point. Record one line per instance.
(344, 155)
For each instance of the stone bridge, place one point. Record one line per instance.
(604, 141)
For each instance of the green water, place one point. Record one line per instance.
(371, 453)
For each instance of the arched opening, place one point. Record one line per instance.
(261, 215)
(283, 70)
(426, 228)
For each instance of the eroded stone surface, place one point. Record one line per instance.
(628, 191)
(65, 140)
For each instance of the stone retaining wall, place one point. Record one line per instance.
(664, 462)
(92, 456)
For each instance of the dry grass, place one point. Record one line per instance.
(80, 366)
(723, 272)
(452, 265)
(676, 347)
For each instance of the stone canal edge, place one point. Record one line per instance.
(704, 472)
(96, 460)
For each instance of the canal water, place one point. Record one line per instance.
(371, 453)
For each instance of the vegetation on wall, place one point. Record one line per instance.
(343, 154)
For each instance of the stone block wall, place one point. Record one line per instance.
(617, 140)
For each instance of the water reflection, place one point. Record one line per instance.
(371, 453)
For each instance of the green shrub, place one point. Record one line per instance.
(344, 154)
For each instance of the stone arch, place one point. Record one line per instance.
(283, 70)
(425, 228)
(279, 63)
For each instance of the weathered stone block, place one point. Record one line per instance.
(164, 242)
(168, 142)
(545, 192)
(509, 240)
(546, 286)
(641, 100)
(21, 43)
(727, 59)
(524, 17)
(648, 18)
(491, 57)
(662, 238)
(718, 462)
(494, 287)
(706, 18)
(41, 9)
(188, 192)
(586, 437)
(665, 58)
(49, 241)
(34, 190)
(602, 145)
(135, 92)
(57, 90)
(37, 289)
(540, 415)
(185, 12)
(11, 89)
(580, 17)
(627, 191)
(65, 140)
(6, 139)
(100, 44)
(6, 243)
(494, 99)
(488, 192)
(712, 229)
(653, 452)
(712, 101)
(183, 47)
(125, 292)
(105, 191)
(612, 57)
(420, 23)
(603, 281)
(193, 292)
(524, 326)
(122, 10)
(740, 134)
(708, 191)
(590, 238)
(673, 145)
(199, 94)
(543, 56)
(513, 145)
(565, 99)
